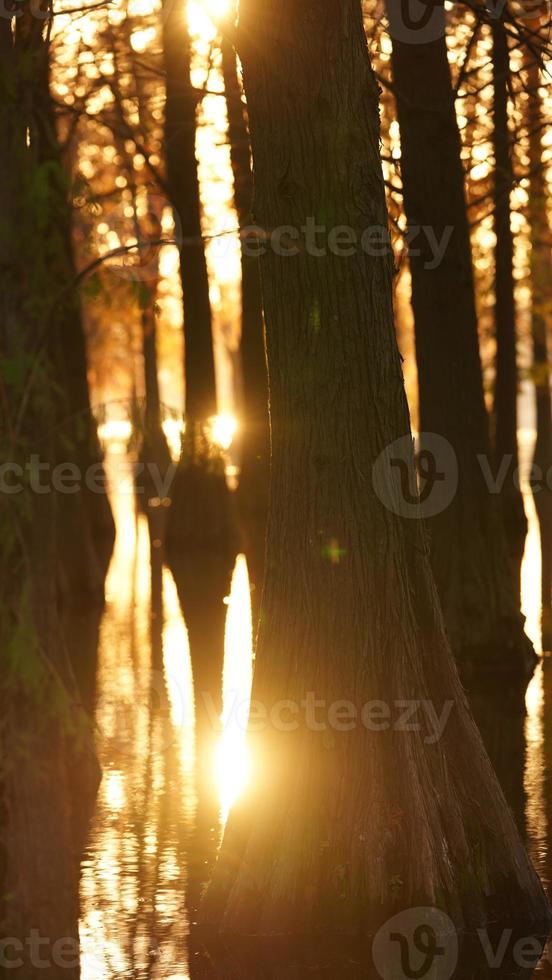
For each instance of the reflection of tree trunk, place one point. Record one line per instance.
(500, 715)
(342, 827)
(540, 279)
(468, 546)
(47, 787)
(183, 185)
(506, 382)
(324, 956)
(255, 440)
(203, 581)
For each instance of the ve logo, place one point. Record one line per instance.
(420, 485)
(417, 944)
(415, 21)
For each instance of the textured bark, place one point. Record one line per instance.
(541, 244)
(47, 776)
(255, 435)
(506, 380)
(339, 827)
(86, 527)
(468, 542)
(183, 186)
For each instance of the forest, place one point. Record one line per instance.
(275, 489)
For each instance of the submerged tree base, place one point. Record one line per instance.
(353, 814)
(202, 509)
(383, 955)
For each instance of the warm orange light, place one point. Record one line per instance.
(232, 760)
(204, 14)
(223, 429)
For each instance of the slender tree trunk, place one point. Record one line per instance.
(506, 381)
(183, 185)
(541, 243)
(149, 348)
(148, 228)
(255, 435)
(200, 514)
(341, 827)
(468, 543)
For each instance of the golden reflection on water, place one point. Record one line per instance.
(134, 874)
(232, 762)
(531, 565)
(536, 819)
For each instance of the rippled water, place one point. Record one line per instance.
(157, 821)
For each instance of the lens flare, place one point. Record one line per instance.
(223, 430)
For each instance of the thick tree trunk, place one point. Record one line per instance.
(86, 525)
(468, 543)
(255, 435)
(341, 827)
(183, 186)
(506, 380)
(541, 244)
(46, 782)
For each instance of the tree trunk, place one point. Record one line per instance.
(87, 529)
(255, 435)
(200, 499)
(506, 380)
(468, 543)
(183, 186)
(342, 827)
(541, 241)
(46, 783)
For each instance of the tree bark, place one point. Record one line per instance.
(506, 379)
(183, 186)
(46, 783)
(340, 828)
(541, 243)
(255, 434)
(468, 542)
(86, 526)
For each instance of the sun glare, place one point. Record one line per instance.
(203, 16)
(223, 429)
(232, 760)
